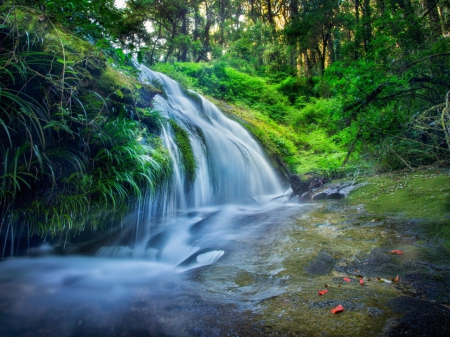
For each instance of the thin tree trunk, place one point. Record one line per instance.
(351, 148)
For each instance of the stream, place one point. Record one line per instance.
(223, 256)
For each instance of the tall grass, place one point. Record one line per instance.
(70, 158)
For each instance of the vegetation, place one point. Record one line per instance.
(76, 140)
(348, 87)
(187, 153)
(422, 195)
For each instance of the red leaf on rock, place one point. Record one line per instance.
(346, 279)
(396, 251)
(338, 309)
(323, 292)
(361, 281)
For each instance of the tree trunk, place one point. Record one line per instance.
(184, 32)
(367, 24)
(435, 24)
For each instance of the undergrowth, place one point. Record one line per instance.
(299, 134)
(76, 136)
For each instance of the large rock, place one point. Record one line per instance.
(304, 185)
(335, 191)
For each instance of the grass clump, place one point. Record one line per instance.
(76, 137)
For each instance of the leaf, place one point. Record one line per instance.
(138, 86)
(361, 281)
(346, 279)
(323, 292)
(337, 310)
(383, 280)
(396, 251)
(57, 125)
(119, 52)
(119, 93)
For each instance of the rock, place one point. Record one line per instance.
(303, 185)
(322, 264)
(335, 191)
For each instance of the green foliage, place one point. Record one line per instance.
(224, 82)
(72, 154)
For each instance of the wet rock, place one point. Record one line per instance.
(429, 286)
(335, 191)
(303, 185)
(374, 312)
(348, 305)
(377, 263)
(421, 318)
(322, 264)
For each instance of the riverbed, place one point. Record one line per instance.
(386, 273)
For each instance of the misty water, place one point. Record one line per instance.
(230, 205)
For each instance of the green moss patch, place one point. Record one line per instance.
(185, 147)
(424, 194)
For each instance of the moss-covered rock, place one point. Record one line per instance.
(185, 147)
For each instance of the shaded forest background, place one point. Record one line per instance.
(346, 87)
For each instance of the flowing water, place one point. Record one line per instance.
(219, 256)
(182, 226)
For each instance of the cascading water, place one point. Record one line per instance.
(138, 279)
(231, 169)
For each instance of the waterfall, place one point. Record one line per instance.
(231, 171)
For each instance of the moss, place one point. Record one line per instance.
(187, 153)
(423, 194)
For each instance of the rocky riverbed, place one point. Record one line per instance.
(388, 270)
(387, 267)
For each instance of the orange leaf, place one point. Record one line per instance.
(361, 281)
(396, 279)
(338, 309)
(346, 279)
(323, 292)
(396, 251)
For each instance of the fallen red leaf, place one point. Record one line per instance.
(323, 292)
(396, 251)
(346, 279)
(396, 279)
(338, 309)
(361, 281)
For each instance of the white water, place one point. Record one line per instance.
(181, 226)
(232, 172)
(178, 228)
